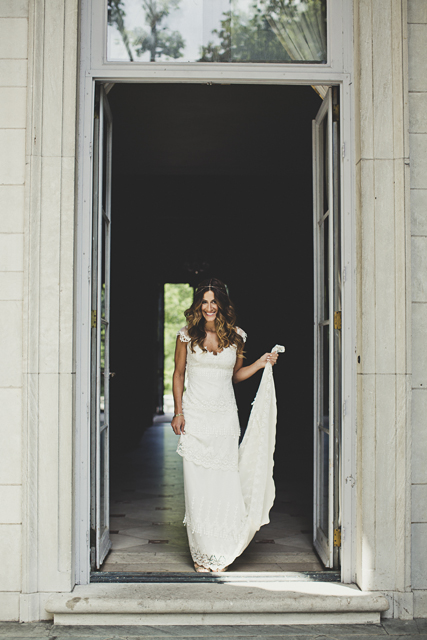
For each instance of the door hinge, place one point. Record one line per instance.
(337, 320)
(93, 319)
(337, 537)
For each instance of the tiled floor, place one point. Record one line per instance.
(147, 509)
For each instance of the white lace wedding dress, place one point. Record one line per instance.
(229, 490)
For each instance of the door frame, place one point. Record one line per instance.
(260, 74)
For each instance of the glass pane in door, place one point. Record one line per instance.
(102, 377)
(324, 417)
(103, 496)
(324, 168)
(325, 268)
(324, 481)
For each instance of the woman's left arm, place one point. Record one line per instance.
(241, 373)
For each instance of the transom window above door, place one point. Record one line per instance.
(269, 31)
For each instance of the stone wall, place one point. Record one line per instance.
(417, 40)
(13, 81)
(38, 75)
(38, 106)
(383, 302)
(48, 316)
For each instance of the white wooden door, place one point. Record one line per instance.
(100, 332)
(327, 330)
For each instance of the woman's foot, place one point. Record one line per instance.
(201, 569)
(221, 570)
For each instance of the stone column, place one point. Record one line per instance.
(383, 301)
(13, 78)
(417, 47)
(48, 303)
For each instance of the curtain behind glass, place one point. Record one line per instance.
(217, 30)
(300, 27)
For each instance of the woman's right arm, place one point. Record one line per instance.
(178, 422)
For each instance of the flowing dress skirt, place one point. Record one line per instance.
(229, 490)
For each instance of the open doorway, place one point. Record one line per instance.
(211, 181)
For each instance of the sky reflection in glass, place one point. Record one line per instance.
(217, 31)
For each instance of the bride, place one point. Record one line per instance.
(229, 490)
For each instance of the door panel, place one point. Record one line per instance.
(327, 329)
(100, 341)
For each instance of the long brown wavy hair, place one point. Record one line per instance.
(225, 321)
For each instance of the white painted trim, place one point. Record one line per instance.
(237, 74)
(83, 315)
(331, 289)
(348, 334)
(315, 187)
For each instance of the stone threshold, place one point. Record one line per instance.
(191, 576)
(225, 603)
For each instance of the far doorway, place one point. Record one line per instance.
(213, 181)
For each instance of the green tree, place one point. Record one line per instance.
(243, 39)
(116, 16)
(178, 298)
(159, 41)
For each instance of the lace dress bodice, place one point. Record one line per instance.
(209, 377)
(209, 405)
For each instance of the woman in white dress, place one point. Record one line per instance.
(229, 490)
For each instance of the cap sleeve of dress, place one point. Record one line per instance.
(183, 335)
(241, 333)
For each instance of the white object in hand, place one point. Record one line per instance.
(278, 349)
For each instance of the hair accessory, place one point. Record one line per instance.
(211, 286)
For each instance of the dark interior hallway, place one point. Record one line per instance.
(209, 181)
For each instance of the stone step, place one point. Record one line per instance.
(222, 603)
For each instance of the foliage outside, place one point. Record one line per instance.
(158, 40)
(178, 298)
(269, 31)
(244, 39)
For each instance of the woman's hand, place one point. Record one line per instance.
(178, 424)
(268, 357)
(243, 373)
